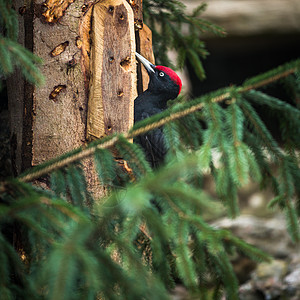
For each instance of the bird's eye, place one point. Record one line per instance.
(161, 74)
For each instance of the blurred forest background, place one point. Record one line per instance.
(261, 34)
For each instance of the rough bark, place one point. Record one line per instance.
(50, 120)
(145, 39)
(59, 107)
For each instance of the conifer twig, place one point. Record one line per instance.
(132, 134)
(269, 80)
(110, 143)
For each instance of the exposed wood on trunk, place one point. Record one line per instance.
(137, 7)
(145, 37)
(83, 43)
(55, 9)
(112, 69)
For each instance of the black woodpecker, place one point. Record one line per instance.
(164, 85)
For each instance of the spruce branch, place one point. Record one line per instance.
(269, 77)
(261, 129)
(157, 121)
(105, 166)
(14, 55)
(273, 102)
(9, 19)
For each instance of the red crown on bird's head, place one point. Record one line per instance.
(174, 77)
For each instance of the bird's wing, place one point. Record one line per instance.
(154, 145)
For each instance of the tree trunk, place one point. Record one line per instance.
(53, 117)
(90, 77)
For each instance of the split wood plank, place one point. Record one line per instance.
(112, 69)
(145, 40)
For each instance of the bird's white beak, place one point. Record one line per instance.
(147, 64)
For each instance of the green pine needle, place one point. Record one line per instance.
(133, 153)
(14, 55)
(105, 166)
(58, 183)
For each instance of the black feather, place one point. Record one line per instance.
(151, 102)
